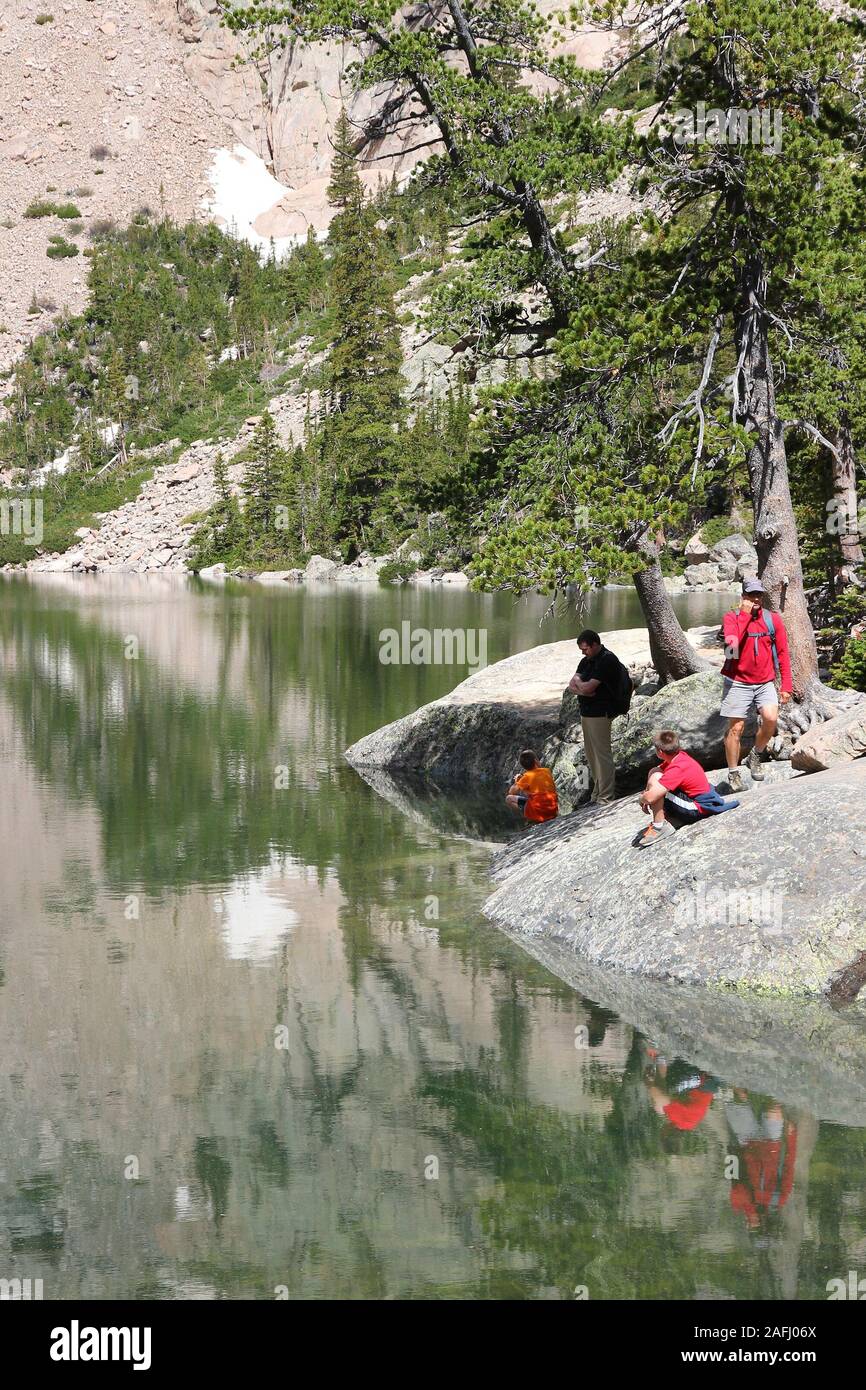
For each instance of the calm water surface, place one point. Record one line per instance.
(240, 1053)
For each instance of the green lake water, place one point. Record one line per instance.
(256, 1039)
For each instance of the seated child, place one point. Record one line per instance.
(534, 792)
(678, 788)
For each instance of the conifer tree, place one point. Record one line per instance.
(263, 487)
(344, 187)
(225, 517)
(364, 384)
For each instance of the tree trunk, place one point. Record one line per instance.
(776, 542)
(672, 653)
(844, 468)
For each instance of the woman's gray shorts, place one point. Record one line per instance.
(738, 698)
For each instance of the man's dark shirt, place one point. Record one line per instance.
(601, 667)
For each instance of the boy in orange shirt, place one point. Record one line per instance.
(534, 792)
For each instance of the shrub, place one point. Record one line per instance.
(396, 571)
(42, 305)
(45, 19)
(850, 671)
(100, 152)
(846, 651)
(102, 228)
(60, 249)
(42, 207)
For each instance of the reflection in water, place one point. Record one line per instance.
(255, 1033)
(255, 921)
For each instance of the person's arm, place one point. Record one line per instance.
(660, 1101)
(784, 654)
(582, 687)
(735, 625)
(653, 795)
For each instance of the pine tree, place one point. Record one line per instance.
(364, 384)
(225, 516)
(344, 187)
(263, 487)
(312, 506)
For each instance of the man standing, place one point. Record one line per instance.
(595, 683)
(756, 647)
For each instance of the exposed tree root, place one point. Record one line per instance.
(820, 703)
(847, 983)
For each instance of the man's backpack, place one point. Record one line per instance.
(771, 628)
(621, 690)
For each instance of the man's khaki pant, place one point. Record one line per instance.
(596, 745)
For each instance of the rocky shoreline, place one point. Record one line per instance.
(153, 531)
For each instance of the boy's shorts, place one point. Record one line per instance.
(738, 697)
(681, 809)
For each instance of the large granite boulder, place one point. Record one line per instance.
(475, 733)
(770, 896)
(294, 576)
(213, 574)
(364, 570)
(699, 576)
(734, 547)
(320, 569)
(697, 552)
(839, 740)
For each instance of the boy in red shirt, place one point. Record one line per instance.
(756, 646)
(679, 788)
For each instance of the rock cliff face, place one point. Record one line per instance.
(770, 896)
(162, 87)
(285, 106)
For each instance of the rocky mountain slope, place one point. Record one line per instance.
(119, 104)
(99, 110)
